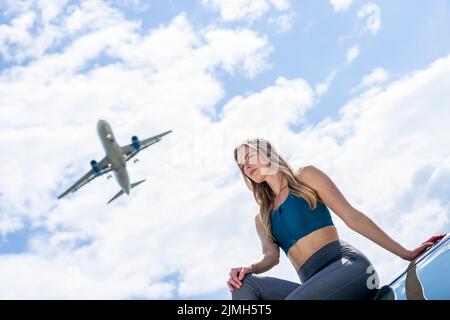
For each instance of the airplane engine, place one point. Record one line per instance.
(135, 142)
(95, 167)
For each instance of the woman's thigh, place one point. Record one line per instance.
(256, 287)
(346, 278)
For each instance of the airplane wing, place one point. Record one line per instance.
(104, 168)
(130, 151)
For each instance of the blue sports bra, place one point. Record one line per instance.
(294, 219)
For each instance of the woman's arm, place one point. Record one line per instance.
(354, 219)
(362, 224)
(270, 250)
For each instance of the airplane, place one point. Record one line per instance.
(115, 160)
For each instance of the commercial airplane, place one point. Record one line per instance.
(115, 160)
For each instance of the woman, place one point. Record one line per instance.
(294, 215)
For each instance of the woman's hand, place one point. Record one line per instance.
(412, 254)
(236, 275)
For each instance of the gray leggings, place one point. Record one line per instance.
(336, 271)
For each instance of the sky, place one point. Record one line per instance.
(358, 89)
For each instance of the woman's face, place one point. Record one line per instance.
(251, 163)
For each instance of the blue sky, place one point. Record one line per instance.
(357, 88)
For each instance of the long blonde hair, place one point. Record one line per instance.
(262, 192)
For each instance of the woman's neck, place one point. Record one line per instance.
(276, 182)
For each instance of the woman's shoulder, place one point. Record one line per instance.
(300, 170)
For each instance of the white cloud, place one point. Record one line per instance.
(323, 87)
(352, 54)
(50, 9)
(341, 5)
(285, 102)
(245, 9)
(283, 23)
(281, 5)
(377, 76)
(368, 20)
(11, 8)
(138, 6)
(43, 25)
(17, 33)
(248, 50)
(372, 13)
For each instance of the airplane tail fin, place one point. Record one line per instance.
(121, 191)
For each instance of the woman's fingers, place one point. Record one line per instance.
(234, 275)
(425, 245)
(242, 273)
(436, 238)
(234, 283)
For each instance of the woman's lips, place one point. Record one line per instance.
(253, 171)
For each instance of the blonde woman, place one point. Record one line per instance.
(294, 215)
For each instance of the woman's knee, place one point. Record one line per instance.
(248, 290)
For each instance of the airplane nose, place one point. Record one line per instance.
(100, 124)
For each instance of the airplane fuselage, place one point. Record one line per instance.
(114, 154)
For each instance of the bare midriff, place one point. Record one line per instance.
(306, 246)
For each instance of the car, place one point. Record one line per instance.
(425, 278)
